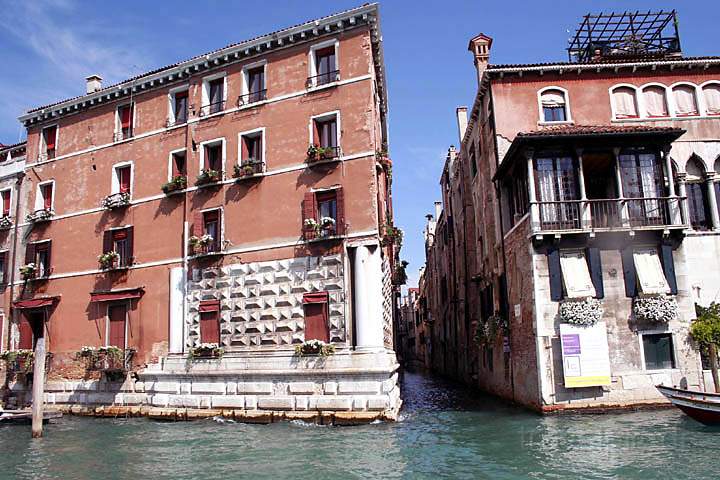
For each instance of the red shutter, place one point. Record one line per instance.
(198, 228)
(29, 253)
(126, 116)
(50, 137)
(116, 329)
(107, 245)
(48, 265)
(210, 327)
(245, 154)
(316, 324)
(316, 132)
(309, 209)
(47, 193)
(130, 240)
(124, 179)
(3, 267)
(6, 203)
(340, 211)
(218, 240)
(26, 334)
(259, 148)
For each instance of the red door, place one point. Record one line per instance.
(316, 325)
(26, 334)
(209, 327)
(116, 330)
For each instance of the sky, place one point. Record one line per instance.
(48, 47)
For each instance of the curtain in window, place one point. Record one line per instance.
(655, 104)
(575, 274)
(685, 103)
(216, 95)
(624, 101)
(545, 170)
(556, 183)
(711, 93)
(642, 178)
(553, 98)
(181, 107)
(649, 271)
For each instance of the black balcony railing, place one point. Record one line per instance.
(318, 154)
(211, 108)
(252, 97)
(323, 79)
(560, 215)
(647, 212)
(605, 213)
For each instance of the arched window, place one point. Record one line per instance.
(655, 101)
(554, 105)
(685, 100)
(697, 195)
(711, 94)
(624, 102)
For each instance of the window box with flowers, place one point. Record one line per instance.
(208, 177)
(316, 153)
(42, 215)
(203, 245)
(106, 359)
(28, 271)
(314, 347)
(399, 275)
(5, 222)
(116, 200)
(206, 350)
(109, 260)
(247, 169)
(178, 182)
(392, 235)
(325, 227)
(655, 308)
(581, 311)
(19, 361)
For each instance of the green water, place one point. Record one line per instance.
(445, 431)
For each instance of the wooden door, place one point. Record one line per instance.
(27, 339)
(117, 315)
(316, 325)
(210, 327)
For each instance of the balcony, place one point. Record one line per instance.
(316, 154)
(252, 97)
(248, 169)
(212, 108)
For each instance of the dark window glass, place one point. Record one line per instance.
(211, 222)
(179, 163)
(181, 107)
(213, 157)
(256, 84)
(216, 95)
(554, 114)
(42, 259)
(253, 146)
(658, 351)
(325, 65)
(699, 206)
(327, 131)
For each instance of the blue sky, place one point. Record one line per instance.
(49, 46)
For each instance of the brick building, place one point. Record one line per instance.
(582, 193)
(234, 199)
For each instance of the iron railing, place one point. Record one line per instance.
(211, 108)
(252, 97)
(323, 79)
(560, 215)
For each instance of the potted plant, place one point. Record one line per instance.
(28, 271)
(245, 170)
(206, 350)
(311, 228)
(655, 308)
(19, 361)
(178, 182)
(108, 260)
(116, 200)
(5, 222)
(326, 226)
(316, 153)
(199, 244)
(41, 215)
(392, 235)
(314, 347)
(207, 177)
(399, 276)
(584, 311)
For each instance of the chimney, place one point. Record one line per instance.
(480, 48)
(461, 121)
(93, 83)
(438, 209)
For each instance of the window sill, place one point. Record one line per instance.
(324, 86)
(206, 255)
(212, 115)
(564, 122)
(665, 119)
(248, 106)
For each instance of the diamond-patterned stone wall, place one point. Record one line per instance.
(387, 304)
(261, 302)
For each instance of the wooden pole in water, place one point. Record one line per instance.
(38, 388)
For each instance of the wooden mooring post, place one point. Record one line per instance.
(38, 388)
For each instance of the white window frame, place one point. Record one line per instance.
(612, 102)
(220, 140)
(171, 103)
(642, 333)
(118, 122)
(206, 91)
(221, 216)
(312, 67)
(115, 180)
(39, 200)
(7, 265)
(9, 189)
(170, 161)
(107, 323)
(541, 114)
(322, 116)
(245, 84)
(702, 104)
(260, 130)
(42, 150)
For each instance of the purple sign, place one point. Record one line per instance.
(571, 344)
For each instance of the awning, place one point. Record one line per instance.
(316, 297)
(36, 302)
(209, 306)
(113, 295)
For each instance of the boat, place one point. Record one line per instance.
(701, 406)
(24, 417)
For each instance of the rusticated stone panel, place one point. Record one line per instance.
(261, 303)
(387, 291)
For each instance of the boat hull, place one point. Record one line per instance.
(701, 406)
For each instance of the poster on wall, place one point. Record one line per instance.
(586, 360)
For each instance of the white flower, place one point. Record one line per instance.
(587, 311)
(655, 308)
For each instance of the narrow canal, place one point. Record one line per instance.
(445, 431)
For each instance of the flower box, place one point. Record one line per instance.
(203, 245)
(206, 350)
(314, 347)
(208, 177)
(19, 361)
(178, 182)
(655, 308)
(392, 235)
(247, 169)
(5, 222)
(28, 271)
(313, 229)
(585, 311)
(108, 260)
(316, 153)
(116, 200)
(399, 275)
(42, 215)
(106, 359)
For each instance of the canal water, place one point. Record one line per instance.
(445, 431)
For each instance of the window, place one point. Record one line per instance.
(212, 155)
(123, 179)
(326, 210)
(557, 186)
(643, 181)
(323, 65)
(120, 241)
(251, 147)
(658, 351)
(39, 254)
(5, 197)
(49, 139)
(315, 307)
(210, 321)
(255, 84)
(655, 101)
(553, 104)
(575, 274)
(624, 102)
(697, 195)
(685, 100)
(3, 267)
(213, 95)
(179, 103)
(178, 164)
(117, 324)
(44, 198)
(711, 95)
(125, 121)
(208, 223)
(325, 134)
(473, 162)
